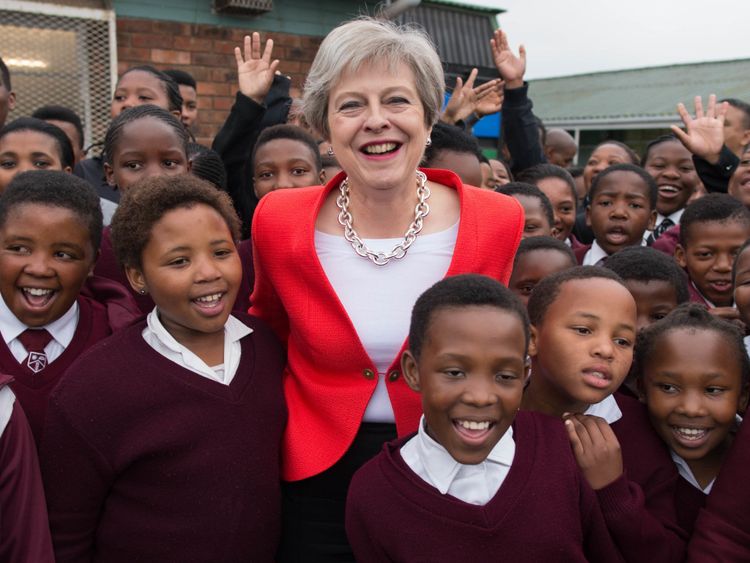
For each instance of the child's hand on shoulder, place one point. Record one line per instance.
(596, 449)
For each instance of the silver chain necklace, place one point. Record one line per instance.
(399, 251)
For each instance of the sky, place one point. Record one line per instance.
(580, 36)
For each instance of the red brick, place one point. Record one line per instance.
(226, 47)
(170, 57)
(133, 25)
(192, 44)
(133, 54)
(212, 59)
(163, 41)
(200, 73)
(222, 103)
(290, 67)
(214, 88)
(123, 39)
(224, 75)
(171, 28)
(212, 31)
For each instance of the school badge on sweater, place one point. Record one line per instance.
(35, 340)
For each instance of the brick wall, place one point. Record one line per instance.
(206, 52)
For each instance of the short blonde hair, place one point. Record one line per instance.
(362, 41)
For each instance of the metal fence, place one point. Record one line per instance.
(63, 56)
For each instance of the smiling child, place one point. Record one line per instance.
(50, 228)
(537, 208)
(537, 258)
(172, 453)
(583, 328)
(693, 373)
(712, 231)
(476, 479)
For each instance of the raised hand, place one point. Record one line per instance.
(255, 71)
(595, 448)
(492, 102)
(510, 66)
(704, 135)
(465, 98)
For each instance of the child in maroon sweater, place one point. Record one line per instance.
(693, 372)
(583, 327)
(25, 532)
(477, 478)
(162, 443)
(50, 227)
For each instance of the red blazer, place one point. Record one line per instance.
(329, 377)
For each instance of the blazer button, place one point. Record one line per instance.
(368, 373)
(393, 376)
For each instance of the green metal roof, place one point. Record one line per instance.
(637, 98)
(467, 6)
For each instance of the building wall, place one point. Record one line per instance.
(207, 52)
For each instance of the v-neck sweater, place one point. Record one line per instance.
(544, 511)
(144, 460)
(33, 389)
(329, 377)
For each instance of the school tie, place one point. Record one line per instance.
(35, 340)
(658, 231)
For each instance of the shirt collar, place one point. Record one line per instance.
(594, 254)
(442, 468)
(608, 409)
(686, 473)
(674, 217)
(62, 329)
(233, 330)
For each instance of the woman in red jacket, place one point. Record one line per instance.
(339, 267)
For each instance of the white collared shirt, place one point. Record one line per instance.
(674, 217)
(7, 399)
(160, 340)
(474, 484)
(62, 331)
(686, 473)
(608, 409)
(594, 255)
(597, 253)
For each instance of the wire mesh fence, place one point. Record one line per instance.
(62, 59)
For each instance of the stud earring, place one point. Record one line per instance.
(142, 291)
(329, 152)
(428, 142)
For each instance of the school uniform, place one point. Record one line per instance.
(83, 325)
(592, 254)
(24, 534)
(696, 296)
(151, 455)
(639, 506)
(668, 241)
(539, 509)
(662, 225)
(722, 530)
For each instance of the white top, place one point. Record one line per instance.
(608, 409)
(160, 340)
(62, 331)
(596, 253)
(747, 344)
(7, 398)
(379, 299)
(108, 210)
(674, 217)
(686, 473)
(475, 484)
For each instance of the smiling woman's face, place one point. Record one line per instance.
(377, 126)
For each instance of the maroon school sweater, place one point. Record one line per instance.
(544, 511)
(639, 506)
(688, 502)
(33, 389)
(143, 460)
(24, 532)
(722, 530)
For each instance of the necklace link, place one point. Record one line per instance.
(421, 210)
